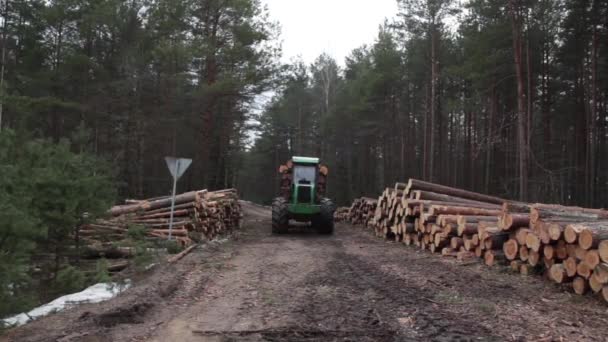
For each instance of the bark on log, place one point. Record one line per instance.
(414, 184)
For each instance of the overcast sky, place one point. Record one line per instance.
(311, 27)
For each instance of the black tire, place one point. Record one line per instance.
(280, 216)
(326, 217)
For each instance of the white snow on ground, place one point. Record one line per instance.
(94, 294)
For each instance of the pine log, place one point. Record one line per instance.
(559, 275)
(533, 242)
(583, 270)
(191, 196)
(605, 293)
(510, 248)
(523, 253)
(521, 235)
(601, 273)
(570, 265)
(592, 258)
(592, 233)
(533, 258)
(454, 210)
(560, 249)
(594, 284)
(548, 252)
(467, 229)
(580, 285)
(495, 241)
(548, 263)
(493, 257)
(513, 221)
(433, 196)
(466, 219)
(414, 184)
(603, 250)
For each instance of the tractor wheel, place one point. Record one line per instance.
(326, 217)
(280, 216)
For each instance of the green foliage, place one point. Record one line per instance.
(136, 232)
(101, 271)
(44, 191)
(68, 280)
(173, 247)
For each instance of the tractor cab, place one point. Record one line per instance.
(303, 181)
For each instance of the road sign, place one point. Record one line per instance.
(177, 167)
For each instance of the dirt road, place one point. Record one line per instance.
(347, 287)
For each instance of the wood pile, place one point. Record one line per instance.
(566, 244)
(341, 214)
(198, 216)
(362, 211)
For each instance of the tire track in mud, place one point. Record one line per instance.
(379, 305)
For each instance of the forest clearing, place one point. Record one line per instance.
(307, 287)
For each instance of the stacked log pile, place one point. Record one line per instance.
(565, 244)
(568, 244)
(341, 214)
(199, 215)
(362, 211)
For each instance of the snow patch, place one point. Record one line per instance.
(93, 294)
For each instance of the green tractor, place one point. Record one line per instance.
(303, 184)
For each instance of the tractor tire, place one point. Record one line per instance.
(326, 217)
(280, 216)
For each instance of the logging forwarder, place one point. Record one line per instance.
(301, 198)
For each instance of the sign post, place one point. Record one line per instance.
(177, 167)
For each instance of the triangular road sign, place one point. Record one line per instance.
(177, 166)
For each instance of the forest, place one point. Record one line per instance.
(508, 98)
(510, 101)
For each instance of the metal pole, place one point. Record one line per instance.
(173, 198)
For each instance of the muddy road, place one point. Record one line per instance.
(350, 286)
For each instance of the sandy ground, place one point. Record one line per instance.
(347, 287)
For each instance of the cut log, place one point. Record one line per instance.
(548, 252)
(523, 253)
(533, 241)
(533, 258)
(495, 241)
(492, 258)
(580, 285)
(434, 196)
(456, 243)
(583, 270)
(570, 265)
(467, 228)
(571, 233)
(415, 184)
(559, 275)
(521, 235)
(603, 250)
(594, 284)
(592, 233)
(601, 273)
(561, 252)
(514, 221)
(592, 258)
(510, 248)
(453, 210)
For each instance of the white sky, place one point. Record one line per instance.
(311, 27)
